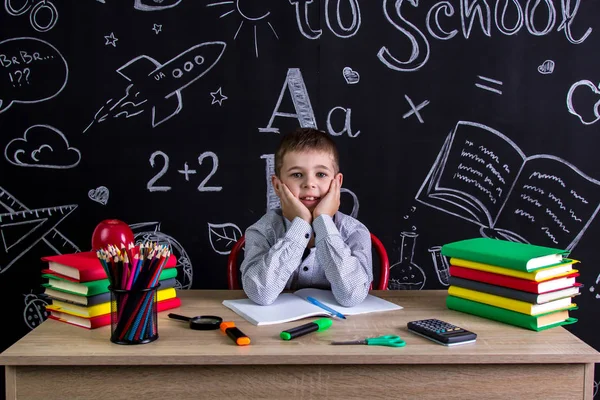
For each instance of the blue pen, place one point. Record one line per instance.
(324, 307)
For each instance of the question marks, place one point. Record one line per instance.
(20, 77)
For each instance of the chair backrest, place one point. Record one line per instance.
(384, 264)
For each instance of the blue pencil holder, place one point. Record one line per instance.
(133, 315)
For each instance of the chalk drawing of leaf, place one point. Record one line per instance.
(223, 237)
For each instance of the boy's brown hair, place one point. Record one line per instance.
(306, 139)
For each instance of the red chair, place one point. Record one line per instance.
(384, 264)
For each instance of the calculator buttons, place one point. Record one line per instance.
(441, 332)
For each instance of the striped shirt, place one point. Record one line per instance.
(276, 257)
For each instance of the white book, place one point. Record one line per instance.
(294, 306)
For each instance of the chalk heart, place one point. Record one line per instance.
(547, 67)
(351, 76)
(99, 195)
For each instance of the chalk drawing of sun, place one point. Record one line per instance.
(251, 13)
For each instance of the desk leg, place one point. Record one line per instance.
(588, 381)
(10, 374)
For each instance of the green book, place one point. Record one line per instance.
(503, 253)
(536, 323)
(92, 288)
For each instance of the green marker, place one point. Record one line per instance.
(315, 326)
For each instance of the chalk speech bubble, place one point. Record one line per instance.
(31, 70)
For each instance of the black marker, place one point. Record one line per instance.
(315, 326)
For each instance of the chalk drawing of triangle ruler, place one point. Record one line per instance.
(22, 228)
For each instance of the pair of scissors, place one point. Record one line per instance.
(387, 340)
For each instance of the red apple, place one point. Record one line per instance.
(111, 231)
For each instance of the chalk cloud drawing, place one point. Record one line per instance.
(405, 274)
(350, 76)
(273, 200)
(43, 15)
(111, 40)
(546, 68)
(154, 5)
(150, 231)
(157, 28)
(218, 97)
(99, 195)
(42, 146)
(34, 310)
(595, 108)
(223, 236)
(22, 228)
(483, 177)
(252, 13)
(415, 109)
(164, 81)
(489, 81)
(36, 71)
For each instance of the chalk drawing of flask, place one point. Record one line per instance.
(406, 275)
(440, 264)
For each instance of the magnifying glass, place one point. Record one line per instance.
(201, 322)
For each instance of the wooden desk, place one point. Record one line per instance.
(59, 361)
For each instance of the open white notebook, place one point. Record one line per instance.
(294, 306)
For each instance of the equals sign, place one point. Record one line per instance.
(489, 80)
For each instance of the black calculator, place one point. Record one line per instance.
(441, 332)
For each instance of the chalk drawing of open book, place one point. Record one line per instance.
(482, 176)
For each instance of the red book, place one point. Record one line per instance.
(83, 267)
(104, 319)
(514, 283)
(89, 323)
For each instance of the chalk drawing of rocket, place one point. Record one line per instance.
(160, 85)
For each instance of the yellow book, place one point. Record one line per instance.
(511, 304)
(539, 275)
(99, 309)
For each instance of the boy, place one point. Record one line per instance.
(308, 242)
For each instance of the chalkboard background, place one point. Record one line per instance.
(441, 110)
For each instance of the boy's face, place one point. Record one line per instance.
(308, 175)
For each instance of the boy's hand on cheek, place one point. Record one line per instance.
(291, 206)
(330, 204)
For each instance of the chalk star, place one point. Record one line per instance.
(157, 28)
(111, 39)
(187, 172)
(218, 100)
(415, 110)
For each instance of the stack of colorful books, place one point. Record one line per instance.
(519, 284)
(78, 288)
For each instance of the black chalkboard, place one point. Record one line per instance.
(454, 119)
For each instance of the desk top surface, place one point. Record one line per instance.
(57, 343)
